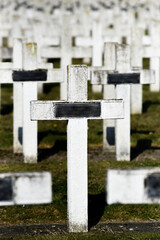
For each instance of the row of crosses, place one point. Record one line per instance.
(77, 110)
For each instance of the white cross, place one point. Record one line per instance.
(136, 61)
(119, 73)
(66, 52)
(77, 111)
(96, 42)
(153, 52)
(24, 74)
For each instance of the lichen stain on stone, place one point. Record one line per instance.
(32, 47)
(87, 12)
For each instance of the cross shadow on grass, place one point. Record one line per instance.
(44, 134)
(6, 109)
(48, 87)
(60, 145)
(142, 145)
(96, 206)
(147, 104)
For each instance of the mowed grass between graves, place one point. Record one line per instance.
(52, 157)
(91, 236)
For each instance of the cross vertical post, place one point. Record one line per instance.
(136, 61)
(29, 93)
(17, 99)
(152, 52)
(155, 60)
(123, 91)
(109, 93)
(66, 54)
(77, 169)
(97, 49)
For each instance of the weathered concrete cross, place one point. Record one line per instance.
(118, 72)
(136, 61)
(153, 52)
(96, 42)
(25, 74)
(77, 111)
(66, 52)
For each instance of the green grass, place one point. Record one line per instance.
(146, 127)
(52, 155)
(91, 236)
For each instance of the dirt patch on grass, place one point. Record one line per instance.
(7, 156)
(54, 228)
(95, 153)
(32, 230)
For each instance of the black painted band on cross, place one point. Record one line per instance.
(30, 76)
(77, 110)
(123, 78)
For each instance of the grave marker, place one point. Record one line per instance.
(136, 61)
(26, 77)
(96, 42)
(77, 111)
(121, 75)
(25, 188)
(66, 52)
(152, 52)
(133, 186)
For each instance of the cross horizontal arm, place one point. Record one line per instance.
(81, 52)
(84, 41)
(6, 65)
(55, 75)
(59, 110)
(149, 51)
(113, 77)
(6, 76)
(38, 75)
(50, 76)
(10, 65)
(133, 186)
(56, 52)
(51, 52)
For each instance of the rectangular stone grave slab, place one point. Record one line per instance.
(133, 186)
(25, 188)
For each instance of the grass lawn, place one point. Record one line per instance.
(91, 236)
(145, 131)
